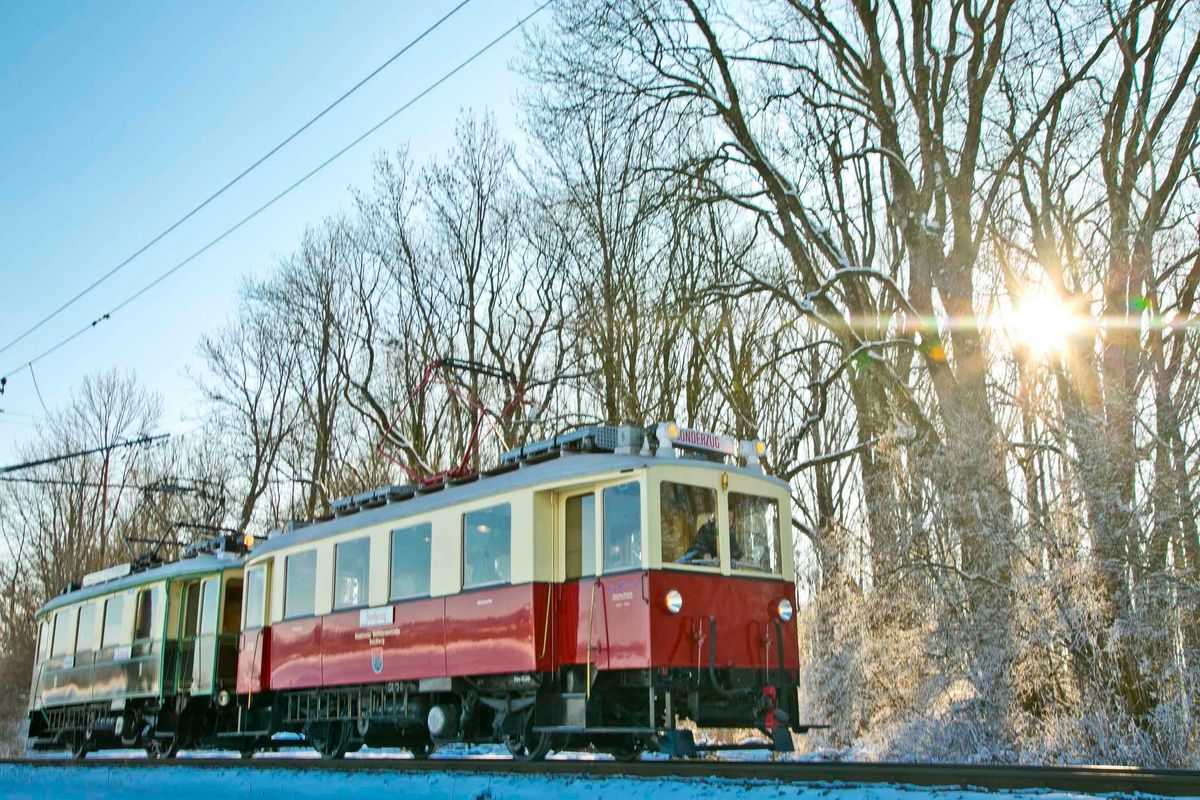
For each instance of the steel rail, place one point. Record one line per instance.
(1089, 779)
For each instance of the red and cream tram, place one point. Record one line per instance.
(589, 591)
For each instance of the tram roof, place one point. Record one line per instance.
(196, 565)
(562, 469)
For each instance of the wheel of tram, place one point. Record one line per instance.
(528, 745)
(629, 749)
(332, 739)
(77, 746)
(159, 748)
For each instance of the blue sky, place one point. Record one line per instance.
(116, 118)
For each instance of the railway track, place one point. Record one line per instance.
(1090, 779)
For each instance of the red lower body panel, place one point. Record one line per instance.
(408, 644)
(498, 631)
(612, 622)
(739, 612)
(254, 660)
(624, 617)
(605, 621)
(296, 653)
(481, 632)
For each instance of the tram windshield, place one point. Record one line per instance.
(622, 507)
(754, 533)
(690, 534)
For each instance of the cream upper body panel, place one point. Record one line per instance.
(533, 495)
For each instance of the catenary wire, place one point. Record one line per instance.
(237, 226)
(235, 180)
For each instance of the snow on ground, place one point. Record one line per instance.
(182, 782)
(474, 751)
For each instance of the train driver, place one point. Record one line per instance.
(705, 548)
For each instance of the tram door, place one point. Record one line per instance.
(253, 642)
(205, 646)
(227, 639)
(582, 625)
(199, 614)
(185, 643)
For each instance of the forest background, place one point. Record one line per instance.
(942, 256)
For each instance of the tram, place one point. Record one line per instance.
(590, 590)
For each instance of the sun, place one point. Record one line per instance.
(1042, 323)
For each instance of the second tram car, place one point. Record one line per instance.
(135, 656)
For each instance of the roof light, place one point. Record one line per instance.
(751, 451)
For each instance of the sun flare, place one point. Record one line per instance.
(1042, 323)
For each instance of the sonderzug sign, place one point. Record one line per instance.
(702, 440)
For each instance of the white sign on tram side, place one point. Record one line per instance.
(106, 575)
(374, 617)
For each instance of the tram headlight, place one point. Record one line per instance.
(673, 601)
(783, 610)
(224, 698)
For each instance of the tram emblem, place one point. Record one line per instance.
(377, 660)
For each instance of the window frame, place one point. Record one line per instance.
(155, 592)
(779, 535)
(44, 636)
(640, 563)
(720, 518)
(366, 595)
(70, 616)
(209, 588)
(119, 599)
(287, 560)
(79, 629)
(597, 535)
(394, 598)
(505, 581)
(246, 601)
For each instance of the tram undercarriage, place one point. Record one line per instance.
(622, 712)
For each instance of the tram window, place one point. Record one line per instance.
(114, 615)
(351, 573)
(256, 591)
(411, 561)
(147, 613)
(622, 527)
(487, 536)
(754, 533)
(232, 617)
(62, 633)
(689, 525)
(43, 642)
(581, 535)
(191, 609)
(209, 595)
(85, 631)
(300, 585)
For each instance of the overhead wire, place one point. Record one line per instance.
(237, 179)
(237, 226)
(140, 440)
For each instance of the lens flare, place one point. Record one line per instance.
(1042, 323)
